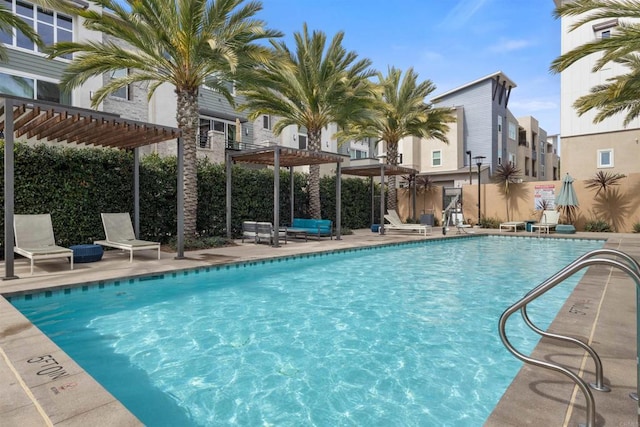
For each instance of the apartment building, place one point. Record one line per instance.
(485, 132)
(29, 73)
(588, 148)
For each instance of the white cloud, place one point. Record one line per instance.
(462, 13)
(506, 45)
(432, 56)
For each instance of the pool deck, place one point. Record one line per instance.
(41, 386)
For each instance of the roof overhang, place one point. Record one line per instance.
(287, 157)
(378, 170)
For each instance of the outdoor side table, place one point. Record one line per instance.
(86, 253)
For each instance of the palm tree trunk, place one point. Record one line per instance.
(187, 118)
(392, 159)
(315, 144)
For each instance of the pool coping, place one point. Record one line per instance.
(59, 401)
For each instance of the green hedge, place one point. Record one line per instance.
(75, 184)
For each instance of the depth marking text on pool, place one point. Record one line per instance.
(580, 307)
(48, 365)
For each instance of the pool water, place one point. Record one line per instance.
(404, 335)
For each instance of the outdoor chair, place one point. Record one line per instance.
(396, 224)
(265, 230)
(119, 234)
(35, 240)
(548, 222)
(249, 230)
(512, 224)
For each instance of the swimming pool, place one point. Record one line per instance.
(402, 335)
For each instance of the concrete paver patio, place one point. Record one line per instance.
(41, 386)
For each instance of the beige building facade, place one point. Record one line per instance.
(587, 147)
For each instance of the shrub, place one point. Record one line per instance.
(636, 227)
(76, 184)
(597, 225)
(490, 222)
(192, 244)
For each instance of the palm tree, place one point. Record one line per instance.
(401, 111)
(310, 88)
(505, 175)
(620, 93)
(184, 43)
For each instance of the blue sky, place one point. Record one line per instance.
(450, 42)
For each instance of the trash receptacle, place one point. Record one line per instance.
(426, 219)
(375, 228)
(529, 223)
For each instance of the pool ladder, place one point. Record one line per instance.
(627, 265)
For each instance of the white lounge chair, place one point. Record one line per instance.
(249, 231)
(512, 224)
(265, 230)
(548, 222)
(35, 240)
(396, 224)
(119, 234)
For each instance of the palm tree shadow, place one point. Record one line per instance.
(614, 207)
(516, 195)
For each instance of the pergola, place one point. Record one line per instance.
(40, 120)
(279, 156)
(380, 170)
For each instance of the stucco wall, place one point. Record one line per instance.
(620, 206)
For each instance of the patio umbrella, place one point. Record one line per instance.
(566, 198)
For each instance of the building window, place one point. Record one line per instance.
(512, 131)
(436, 158)
(266, 122)
(26, 87)
(302, 141)
(123, 92)
(603, 30)
(52, 26)
(605, 158)
(357, 154)
(499, 123)
(220, 127)
(512, 159)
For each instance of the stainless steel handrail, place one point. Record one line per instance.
(599, 374)
(548, 284)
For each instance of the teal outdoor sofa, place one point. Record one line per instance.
(311, 227)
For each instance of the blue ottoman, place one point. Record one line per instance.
(86, 253)
(565, 229)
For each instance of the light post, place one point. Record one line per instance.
(470, 176)
(479, 160)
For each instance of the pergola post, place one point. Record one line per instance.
(276, 197)
(180, 197)
(338, 201)
(228, 195)
(381, 199)
(9, 164)
(136, 192)
(292, 193)
(373, 200)
(415, 196)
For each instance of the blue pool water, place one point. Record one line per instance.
(397, 336)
